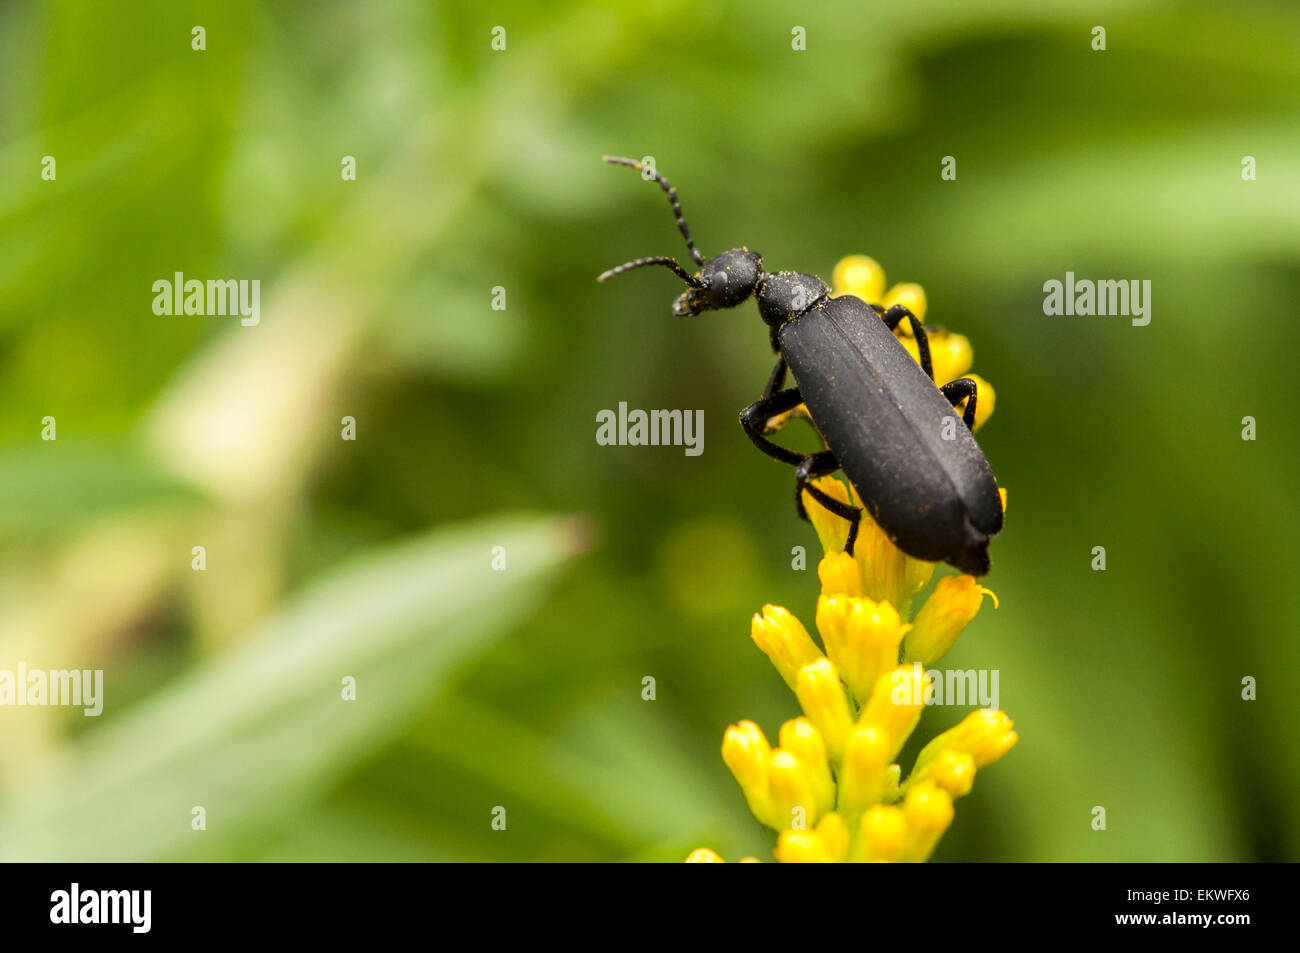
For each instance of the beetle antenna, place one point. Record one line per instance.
(672, 197)
(667, 262)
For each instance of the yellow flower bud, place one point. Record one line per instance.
(800, 737)
(863, 775)
(883, 564)
(835, 835)
(747, 753)
(840, 575)
(784, 640)
(896, 704)
(703, 855)
(859, 276)
(791, 786)
(950, 608)
(911, 297)
(823, 700)
(880, 835)
(803, 847)
(916, 575)
(951, 356)
(984, 735)
(861, 637)
(928, 810)
(954, 771)
(832, 530)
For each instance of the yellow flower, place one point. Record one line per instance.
(827, 843)
(800, 737)
(860, 276)
(881, 833)
(784, 640)
(864, 777)
(832, 788)
(746, 752)
(861, 637)
(984, 735)
(704, 856)
(945, 614)
(927, 809)
(823, 700)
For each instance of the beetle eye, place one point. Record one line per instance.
(717, 288)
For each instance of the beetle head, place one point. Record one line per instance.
(724, 282)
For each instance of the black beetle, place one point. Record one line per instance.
(884, 421)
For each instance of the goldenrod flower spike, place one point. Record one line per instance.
(860, 276)
(823, 700)
(950, 608)
(984, 735)
(800, 737)
(747, 753)
(832, 787)
(928, 812)
(784, 640)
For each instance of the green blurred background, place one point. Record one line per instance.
(476, 427)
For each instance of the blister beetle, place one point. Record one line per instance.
(885, 422)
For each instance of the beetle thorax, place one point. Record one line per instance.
(788, 294)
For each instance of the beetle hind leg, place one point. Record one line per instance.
(957, 391)
(821, 464)
(897, 313)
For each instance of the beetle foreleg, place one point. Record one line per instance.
(956, 391)
(896, 314)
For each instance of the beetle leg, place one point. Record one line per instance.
(956, 391)
(776, 381)
(820, 464)
(754, 419)
(896, 314)
(808, 466)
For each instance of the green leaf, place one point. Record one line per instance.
(51, 486)
(261, 731)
